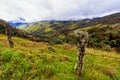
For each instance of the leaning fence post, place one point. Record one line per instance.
(9, 36)
(8, 32)
(82, 39)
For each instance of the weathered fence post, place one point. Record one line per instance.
(82, 39)
(8, 32)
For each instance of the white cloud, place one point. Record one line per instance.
(36, 10)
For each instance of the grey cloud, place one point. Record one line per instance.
(35, 10)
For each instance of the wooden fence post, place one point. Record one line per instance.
(9, 37)
(82, 40)
(8, 32)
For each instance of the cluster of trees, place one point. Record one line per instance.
(106, 37)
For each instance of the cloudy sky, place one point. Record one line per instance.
(36, 10)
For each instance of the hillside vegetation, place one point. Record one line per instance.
(31, 60)
(102, 35)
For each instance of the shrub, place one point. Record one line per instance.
(55, 41)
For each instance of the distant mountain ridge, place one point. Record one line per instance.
(67, 26)
(17, 24)
(109, 19)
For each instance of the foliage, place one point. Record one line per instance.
(55, 40)
(104, 36)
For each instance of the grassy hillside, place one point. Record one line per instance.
(40, 61)
(48, 29)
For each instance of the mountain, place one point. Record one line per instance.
(58, 31)
(73, 25)
(17, 24)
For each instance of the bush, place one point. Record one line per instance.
(55, 41)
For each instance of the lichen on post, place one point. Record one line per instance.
(82, 40)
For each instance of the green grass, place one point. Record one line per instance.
(40, 61)
(48, 30)
(32, 28)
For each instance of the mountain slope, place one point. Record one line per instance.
(15, 31)
(102, 32)
(104, 36)
(72, 25)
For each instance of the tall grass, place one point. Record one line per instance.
(39, 61)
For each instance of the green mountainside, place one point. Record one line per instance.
(104, 31)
